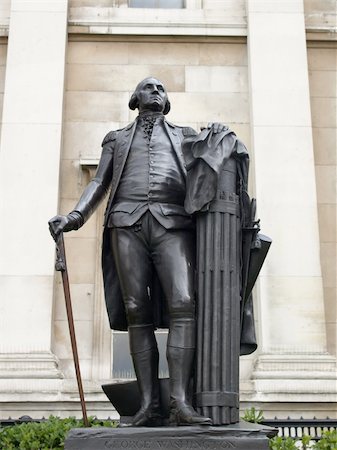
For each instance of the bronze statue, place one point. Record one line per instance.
(164, 178)
(148, 246)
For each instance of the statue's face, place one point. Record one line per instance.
(152, 95)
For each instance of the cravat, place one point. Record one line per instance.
(147, 123)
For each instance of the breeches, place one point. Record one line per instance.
(147, 246)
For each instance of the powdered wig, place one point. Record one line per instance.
(134, 101)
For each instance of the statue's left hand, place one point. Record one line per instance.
(217, 127)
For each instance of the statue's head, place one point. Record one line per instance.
(150, 95)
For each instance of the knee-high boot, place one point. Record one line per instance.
(180, 357)
(145, 357)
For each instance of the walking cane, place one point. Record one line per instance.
(61, 266)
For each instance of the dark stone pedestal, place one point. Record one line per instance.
(240, 436)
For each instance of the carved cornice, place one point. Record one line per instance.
(133, 21)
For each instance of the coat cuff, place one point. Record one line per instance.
(76, 220)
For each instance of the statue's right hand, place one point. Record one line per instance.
(58, 224)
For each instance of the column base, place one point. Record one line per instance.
(37, 365)
(295, 377)
(39, 398)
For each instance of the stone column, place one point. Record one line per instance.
(293, 357)
(29, 160)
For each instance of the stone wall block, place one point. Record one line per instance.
(109, 78)
(326, 177)
(3, 54)
(210, 107)
(325, 140)
(216, 79)
(223, 54)
(323, 83)
(324, 111)
(97, 52)
(73, 180)
(327, 216)
(322, 58)
(62, 345)
(1, 103)
(2, 78)
(329, 265)
(163, 53)
(84, 139)
(100, 106)
(81, 259)
(68, 370)
(331, 332)
(330, 295)
(82, 297)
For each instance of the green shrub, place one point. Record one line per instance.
(306, 442)
(253, 415)
(46, 435)
(328, 441)
(280, 443)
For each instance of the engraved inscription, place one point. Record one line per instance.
(158, 444)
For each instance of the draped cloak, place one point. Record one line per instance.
(205, 156)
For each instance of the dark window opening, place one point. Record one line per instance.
(177, 4)
(122, 363)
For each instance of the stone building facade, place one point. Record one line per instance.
(67, 69)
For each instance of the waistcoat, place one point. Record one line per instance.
(152, 180)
